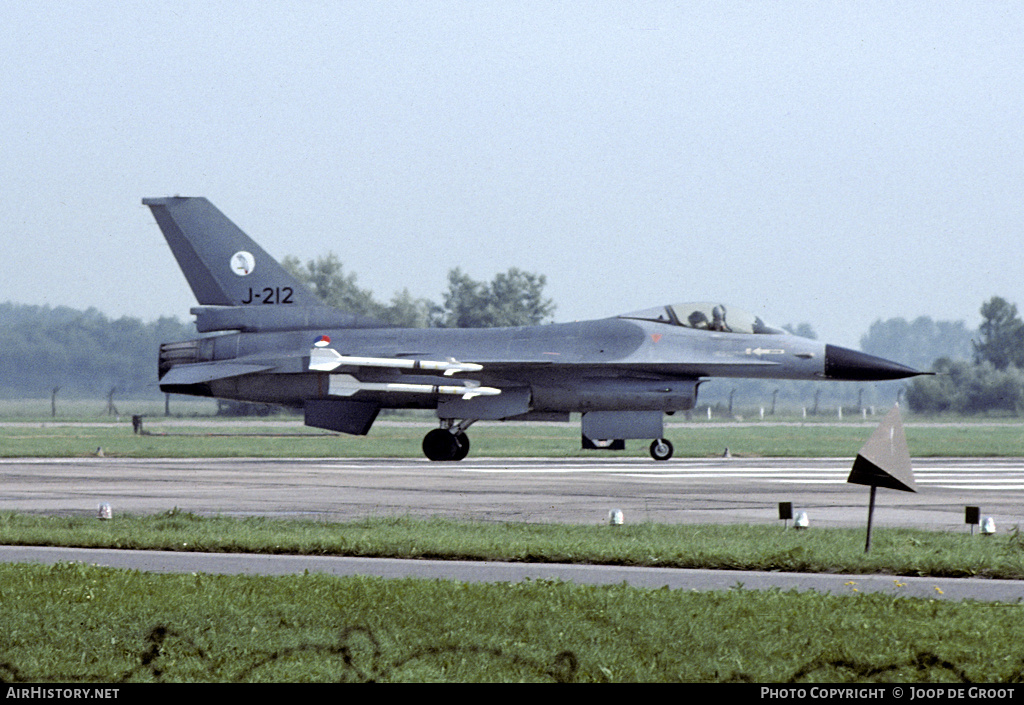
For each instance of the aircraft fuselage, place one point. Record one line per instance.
(604, 364)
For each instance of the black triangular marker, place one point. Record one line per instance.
(884, 461)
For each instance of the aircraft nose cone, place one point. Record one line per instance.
(851, 365)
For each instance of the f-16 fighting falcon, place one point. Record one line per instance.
(280, 345)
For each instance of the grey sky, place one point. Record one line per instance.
(830, 163)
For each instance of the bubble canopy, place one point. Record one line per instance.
(706, 315)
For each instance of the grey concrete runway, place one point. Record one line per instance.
(725, 490)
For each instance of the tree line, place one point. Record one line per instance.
(45, 351)
(976, 371)
(512, 298)
(990, 380)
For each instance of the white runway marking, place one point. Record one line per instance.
(996, 475)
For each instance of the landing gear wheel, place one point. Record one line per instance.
(442, 444)
(661, 449)
(463, 451)
(439, 444)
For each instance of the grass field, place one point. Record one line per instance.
(75, 623)
(287, 437)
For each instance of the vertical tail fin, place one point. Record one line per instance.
(222, 264)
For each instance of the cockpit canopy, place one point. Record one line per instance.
(706, 316)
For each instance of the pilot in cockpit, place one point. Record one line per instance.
(697, 319)
(718, 312)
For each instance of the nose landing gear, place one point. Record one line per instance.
(661, 449)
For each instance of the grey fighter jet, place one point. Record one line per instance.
(279, 344)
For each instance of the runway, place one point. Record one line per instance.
(720, 490)
(717, 490)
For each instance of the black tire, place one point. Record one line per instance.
(661, 449)
(440, 444)
(463, 441)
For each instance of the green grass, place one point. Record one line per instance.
(287, 437)
(97, 409)
(74, 623)
(894, 551)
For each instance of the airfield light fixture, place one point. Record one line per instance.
(988, 526)
(615, 517)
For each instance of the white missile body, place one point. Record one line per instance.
(327, 359)
(347, 385)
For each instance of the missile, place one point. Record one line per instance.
(347, 385)
(326, 359)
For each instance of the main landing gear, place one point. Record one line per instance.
(449, 443)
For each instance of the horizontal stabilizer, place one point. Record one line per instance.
(201, 373)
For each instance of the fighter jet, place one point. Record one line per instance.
(277, 343)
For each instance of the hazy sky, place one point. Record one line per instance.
(829, 163)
